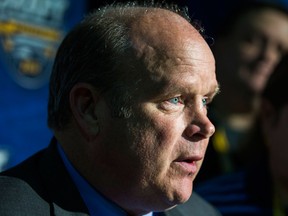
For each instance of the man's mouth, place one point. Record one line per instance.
(188, 165)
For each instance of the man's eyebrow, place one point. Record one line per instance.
(168, 90)
(216, 91)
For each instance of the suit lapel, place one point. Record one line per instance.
(63, 193)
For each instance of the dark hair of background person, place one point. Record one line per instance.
(226, 24)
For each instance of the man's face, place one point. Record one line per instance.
(156, 153)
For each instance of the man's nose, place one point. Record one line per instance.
(200, 128)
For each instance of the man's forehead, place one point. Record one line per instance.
(160, 28)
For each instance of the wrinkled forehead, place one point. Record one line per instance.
(160, 34)
(168, 47)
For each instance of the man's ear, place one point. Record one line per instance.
(83, 101)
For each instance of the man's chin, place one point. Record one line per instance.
(177, 202)
(182, 197)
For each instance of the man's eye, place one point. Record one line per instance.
(172, 104)
(205, 102)
(175, 100)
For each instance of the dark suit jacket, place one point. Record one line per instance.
(41, 186)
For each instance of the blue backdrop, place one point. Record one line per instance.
(30, 32)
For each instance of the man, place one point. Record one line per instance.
(128, 107)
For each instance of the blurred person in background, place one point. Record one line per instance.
(261, 188)
(248, 45)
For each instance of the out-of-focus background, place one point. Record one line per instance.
(30, 32)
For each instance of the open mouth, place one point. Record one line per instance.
(189, 166)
